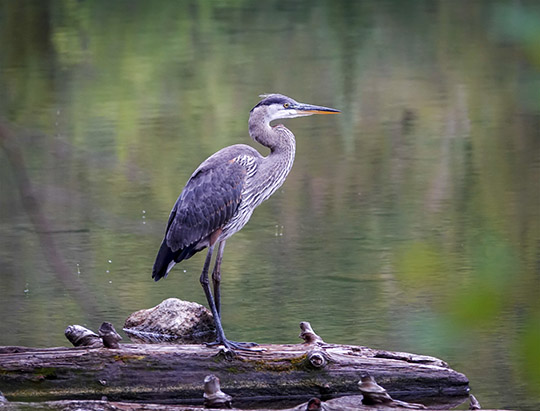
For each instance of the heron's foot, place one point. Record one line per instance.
(235, 345)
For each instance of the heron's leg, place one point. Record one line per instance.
(221, 339)
(206, 287)
(216, 276)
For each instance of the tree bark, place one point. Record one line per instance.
(175, 373)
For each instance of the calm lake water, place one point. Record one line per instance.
(409, 222)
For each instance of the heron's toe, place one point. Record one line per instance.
(236, 345)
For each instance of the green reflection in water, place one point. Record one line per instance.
(409, 222)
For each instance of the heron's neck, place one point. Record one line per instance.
(276, 166)
(279, 139)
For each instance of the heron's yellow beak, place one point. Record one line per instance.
(311, 109)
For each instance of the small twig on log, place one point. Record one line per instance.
(374, 394)
(109, 335)
(473, 403)
(213, 396)
(308, 335)
(80, 336)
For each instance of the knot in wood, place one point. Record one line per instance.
(225, 354)
(317, 359)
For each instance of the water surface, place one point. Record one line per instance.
(409, 222)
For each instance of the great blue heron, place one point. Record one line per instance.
(222, 193)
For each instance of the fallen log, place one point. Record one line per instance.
(350, 403)
(165, 373)
(338, 404)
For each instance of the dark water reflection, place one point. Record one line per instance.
(409, 222)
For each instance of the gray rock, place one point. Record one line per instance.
(172, 320)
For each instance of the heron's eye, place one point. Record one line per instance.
(286, 105)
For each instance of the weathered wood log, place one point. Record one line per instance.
(159, 373)
(339, 404)
(350, 403)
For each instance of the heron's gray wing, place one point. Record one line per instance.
(208, 201)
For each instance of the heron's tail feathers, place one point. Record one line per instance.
(164, 262)
(166, 259)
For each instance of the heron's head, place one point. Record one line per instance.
(278, 106)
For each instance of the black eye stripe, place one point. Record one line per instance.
(273, 99)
